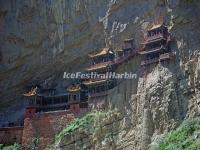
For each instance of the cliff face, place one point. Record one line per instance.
(41, 39)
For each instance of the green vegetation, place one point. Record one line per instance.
(16, 146)
(35, 143)
(49, 147)
(11, 147)
(77, 124)
(187, 137)
(83, 122)
(89, 124)
(1, 146)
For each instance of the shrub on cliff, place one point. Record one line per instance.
(89, 125)
(77, 124)
(1, 146)
(11, 147)
(187, 137)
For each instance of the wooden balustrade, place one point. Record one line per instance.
(118, 60)
(164, 56)
(157, 36)
(100, 64)
(169, 55)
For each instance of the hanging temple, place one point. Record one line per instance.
(155, 48)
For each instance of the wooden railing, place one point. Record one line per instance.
(150, 50)
(94, 80)
(157, 36)
(52, 105)
(107, 92)
(165, 56)
(99, 64)
(118, 60)
(169, 55)
(156, 48)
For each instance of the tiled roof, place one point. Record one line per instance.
(74, 88)
(32, 92)
(104, 51)
(98, 66)
(94, 82)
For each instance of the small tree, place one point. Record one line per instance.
(35, 143)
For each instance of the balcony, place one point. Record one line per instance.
(152, 50)
(95, 82)
(99, 65)
(164, 56)
(169, 55)
(53, 105)
(154, 38)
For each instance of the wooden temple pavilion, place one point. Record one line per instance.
(156, 45)
(128, 50)
(102, 63)
(77, 94)
(99, 87)
(42, 100)
(77, 97)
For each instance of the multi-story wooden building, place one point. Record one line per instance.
(126, 52)
(42, 100)
(77, 98)
(101, 63)
(156, 45)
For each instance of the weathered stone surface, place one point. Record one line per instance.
(41, 39)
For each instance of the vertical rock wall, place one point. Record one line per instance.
(40, 35)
